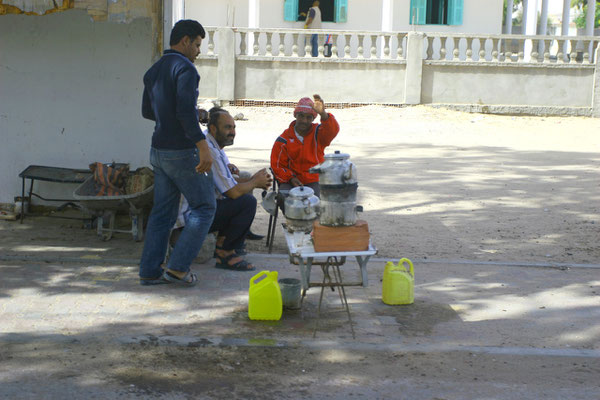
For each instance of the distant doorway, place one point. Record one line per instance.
(326, 6)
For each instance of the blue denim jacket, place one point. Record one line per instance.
(170, 96)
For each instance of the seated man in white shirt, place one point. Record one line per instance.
(236, 206)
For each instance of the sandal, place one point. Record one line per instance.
(151, 282)
(242, 265)
(240, 252)
(190, 279)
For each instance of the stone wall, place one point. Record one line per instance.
(489, 73)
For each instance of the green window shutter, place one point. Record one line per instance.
(341, 10)
(290, 10)
(455, 12)
(418, 12)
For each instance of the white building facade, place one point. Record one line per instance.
(459, 16)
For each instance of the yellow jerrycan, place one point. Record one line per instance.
(264, 297)
(398, 283)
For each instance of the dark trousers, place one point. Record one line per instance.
(233, 219)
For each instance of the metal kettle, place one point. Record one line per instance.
(337, 169)
(338, 182)
(301, 209)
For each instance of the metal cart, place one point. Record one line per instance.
(50, 174)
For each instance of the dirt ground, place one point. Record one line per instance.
(436, 185)
(442, 184)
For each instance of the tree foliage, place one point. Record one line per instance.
(581, 15)
(516, 7)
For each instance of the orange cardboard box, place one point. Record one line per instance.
(341, 238)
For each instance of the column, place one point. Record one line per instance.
(508, 22)
(596, 88)
(544, 27)
(564, 31)
(253, 13)
(530, 27)
(414, 68)
(525, 6)
(253, 22)
(589, 25)
(387, 18)
(589, 20)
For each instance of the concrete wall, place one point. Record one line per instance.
(70, 93)
(208, 82)
(499, 84)
(343, 82)
(519, 85)
(480, 16)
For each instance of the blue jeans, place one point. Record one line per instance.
(314, 41)
(175, 174)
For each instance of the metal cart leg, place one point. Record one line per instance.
(338, 277)
(137, 226)
(111, 225)
(326, 278)
(22, 198)
(337, 282)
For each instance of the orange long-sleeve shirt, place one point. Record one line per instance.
(290, 157)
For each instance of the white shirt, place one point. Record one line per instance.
(222, 176)
(316, 22)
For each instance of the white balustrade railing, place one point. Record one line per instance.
(391, 46)
(208, 46)
(295, 43)
(511, 48)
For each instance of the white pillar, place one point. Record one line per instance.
(530, 27)
(525, 7)
(565, 18)
(544, 26)
(508, 22)
(253, 22)
(387, 18)
(564, 31)
(596, 92)
(544, 18)
(173, 11)
(589, 20)
(414, 68)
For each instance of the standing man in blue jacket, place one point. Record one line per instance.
(180, 158)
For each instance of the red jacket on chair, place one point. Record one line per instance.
(290, 157)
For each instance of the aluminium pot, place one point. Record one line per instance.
(301, 209)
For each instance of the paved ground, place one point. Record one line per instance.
(74, 316)
(499, 214)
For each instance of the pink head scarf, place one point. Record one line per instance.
(305, 106)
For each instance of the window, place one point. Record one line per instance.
(436, 12)
(331, 10)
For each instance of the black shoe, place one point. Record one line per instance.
(254, 236)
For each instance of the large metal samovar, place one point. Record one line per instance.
(338, 182)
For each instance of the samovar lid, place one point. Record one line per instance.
(337, 156)
(301, 192)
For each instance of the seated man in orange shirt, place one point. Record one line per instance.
(302, 145)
